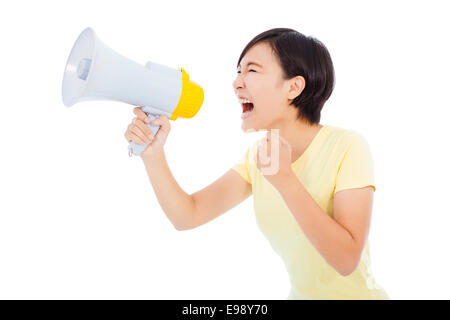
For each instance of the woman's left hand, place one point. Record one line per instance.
(275, 166)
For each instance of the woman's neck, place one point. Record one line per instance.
(299, 135)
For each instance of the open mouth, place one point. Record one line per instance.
(247, 107)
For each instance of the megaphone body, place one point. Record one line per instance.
(96, 72)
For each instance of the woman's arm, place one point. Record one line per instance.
(220, 196)
(340, 240)
(190, 211)
(176, 204)
(183, 210)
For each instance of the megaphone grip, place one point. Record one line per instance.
(135, 148)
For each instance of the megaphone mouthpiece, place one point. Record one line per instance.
(83, 68)
(82, 52)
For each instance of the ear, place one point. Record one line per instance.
(296, 87)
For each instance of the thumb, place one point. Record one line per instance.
(163, 122)
(157, 121)
(257, 155)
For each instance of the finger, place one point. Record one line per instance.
(257, 158)
(138, 132)
(141, 114)
(136, 139)
(269, 138)
(265, 153)
(260, 150)
(127, 135)
(262, 158)
(267, 145)
(143, 127)
(285, 143)
(164, 123)
(162, 120)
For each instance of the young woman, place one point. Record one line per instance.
(315, 209)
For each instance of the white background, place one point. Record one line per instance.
(78, 217)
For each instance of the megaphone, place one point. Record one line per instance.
(96, 72)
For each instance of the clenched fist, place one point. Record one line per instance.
(140, 133)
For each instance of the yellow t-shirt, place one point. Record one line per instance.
(336, 159)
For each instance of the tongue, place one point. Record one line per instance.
(248, 107)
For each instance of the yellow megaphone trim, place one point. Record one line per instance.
(191, 98)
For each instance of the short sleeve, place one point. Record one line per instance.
(242, 167)
(356, 169)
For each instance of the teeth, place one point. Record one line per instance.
(244, 101)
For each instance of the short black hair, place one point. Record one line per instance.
(305, 56)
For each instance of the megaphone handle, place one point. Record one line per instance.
(135, 148)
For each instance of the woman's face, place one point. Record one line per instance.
(263, 85)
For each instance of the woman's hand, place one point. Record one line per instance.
(275, 166)
(139, 132)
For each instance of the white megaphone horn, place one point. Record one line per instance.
(96, 72)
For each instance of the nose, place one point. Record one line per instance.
(237, 84)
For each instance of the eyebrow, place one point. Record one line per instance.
(250, 63)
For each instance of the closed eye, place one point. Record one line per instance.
(248, 71)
